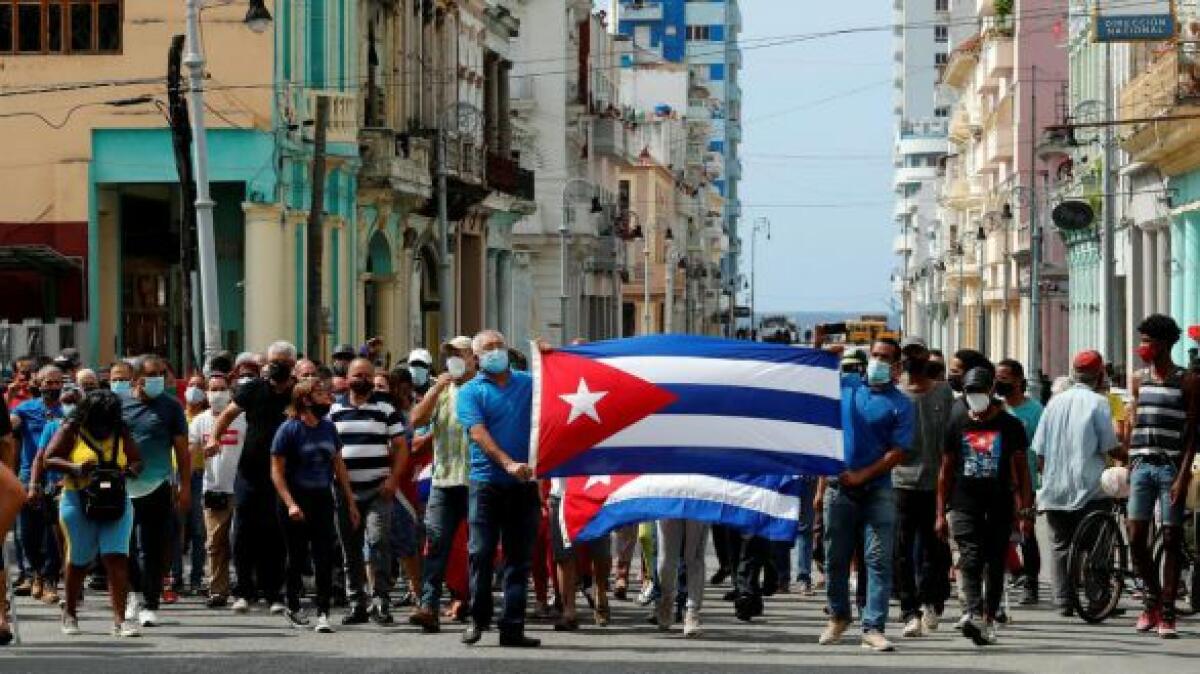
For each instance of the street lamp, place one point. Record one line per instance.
(669, 284)
(563, 300)
(258, 19)
(645, 236)
(980, 240)
(760, 225)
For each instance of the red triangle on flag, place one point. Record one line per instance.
(583, 402)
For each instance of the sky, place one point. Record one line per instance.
(828, 96)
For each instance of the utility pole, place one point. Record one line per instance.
(1034, 365)
(316, 233)
(181, 142)
(445, 291)
(1108, 298)
(193, 60)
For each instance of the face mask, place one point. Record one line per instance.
(456, 366)
(361, 386)
(278, 372)
(1004, 389)
(494, 361)
(915, 367)
(218, 400)
(956, 382)
(1147, 352)
(320, 411)
(340, 369)
(34, 391)
(878, 372)
(420, 374)
(978, 402)
(51, 395)
(120, 387)
(67, 408)
(193, 395)
(153, 386)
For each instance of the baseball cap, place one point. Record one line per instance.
(1088, 361)
(913, 342)
(343, 351)
(979, 379)
(420, 356)
(461, 343)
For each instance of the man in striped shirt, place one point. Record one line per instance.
(375, 452)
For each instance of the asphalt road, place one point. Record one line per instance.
(194, 639)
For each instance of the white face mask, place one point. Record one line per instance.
(218, 400)
(978, 402)
(193, 395)
(456, 367)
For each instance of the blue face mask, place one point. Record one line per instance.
(153, 386)
(420, 374)
(494, 361)
(878, 372)
(67, 408)
(120, 387)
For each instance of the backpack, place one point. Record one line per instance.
(103, 497)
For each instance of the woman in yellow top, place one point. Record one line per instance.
(96, 422)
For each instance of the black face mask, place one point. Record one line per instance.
(320, 411)
(1004, 389)
(361, 387)
(51, 395)
(278, 372)
(916, 367)
(956, 382)
(34, 391)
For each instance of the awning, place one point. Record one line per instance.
(36, 257)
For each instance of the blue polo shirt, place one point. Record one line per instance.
(153, 424)
(506, 413)
(873, 422)
(34, 414)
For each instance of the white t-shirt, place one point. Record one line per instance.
(220, 470)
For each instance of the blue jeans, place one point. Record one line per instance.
(804, 534)
(1150, 484)
(446, 510)
(871, 513)
(508, 514)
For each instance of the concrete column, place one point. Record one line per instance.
(1162, 270)
(1148, 274)
(1175, 266)
(269, 288)
(1191, 282)
(108, 262)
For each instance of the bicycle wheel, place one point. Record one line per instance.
(1096, 567)
(1186, 600)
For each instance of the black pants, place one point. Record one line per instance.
(152, 515)
(754, 555)
(1031, 559)
(982, 535)
(727, 543)
(922, 559)
(313, 536)
(257, 541)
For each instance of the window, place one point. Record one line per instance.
(698, 33)
(623, 196)
(941, 111)
(941, 5)
(941, 33)
(941, 59)
(60, 26)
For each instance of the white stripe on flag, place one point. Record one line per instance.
(709, 488)
(789, 377)
(699, 430)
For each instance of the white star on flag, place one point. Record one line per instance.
(582, 402)
(597, 479)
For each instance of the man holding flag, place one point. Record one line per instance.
(878, 424)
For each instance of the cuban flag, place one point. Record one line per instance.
(765, 505)
(669, 404)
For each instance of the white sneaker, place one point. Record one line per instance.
(147, 618)
(913, 628)
(875, 641)
(128, 628)
(323, 626)
(929, 619)
(691, 624)
(278, 608)
(990, 632)
(70, 625)
(240, 605)
(962, 621)
(972, 630)
(646, 595)
(133, 604)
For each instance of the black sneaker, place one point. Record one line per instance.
(518, 640)
(472, 634)
(358, 616)
(295, 619)
(216, 601)
(381, 614)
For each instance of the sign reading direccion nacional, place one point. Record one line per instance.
(1134, 21)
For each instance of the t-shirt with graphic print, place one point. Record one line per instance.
(982, 453)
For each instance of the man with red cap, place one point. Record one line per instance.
(1075, 434)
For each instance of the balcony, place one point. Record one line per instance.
(1168, 87)
(464, 159)
(999, 146)
(398, 161)
(997, 61)
(610, 138)
(642, 11)
(913, 174)
(961, 64)
(904, 244)
(505, 175)
(342, 126)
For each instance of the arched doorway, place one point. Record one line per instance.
(378, 279)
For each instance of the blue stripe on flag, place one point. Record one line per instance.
(738, 401)
(705, 347)
(704, 461)
(615, 515)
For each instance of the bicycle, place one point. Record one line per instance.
(1098, 565)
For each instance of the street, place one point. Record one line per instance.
(197, 639)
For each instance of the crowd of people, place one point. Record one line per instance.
(268, 482)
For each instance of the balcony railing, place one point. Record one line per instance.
(642, 11)
(1169, 86)
(505, 175)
